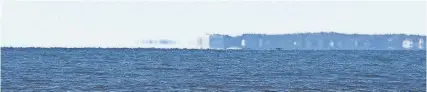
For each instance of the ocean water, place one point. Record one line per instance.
(117, 70)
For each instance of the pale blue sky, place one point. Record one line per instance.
(122, 24)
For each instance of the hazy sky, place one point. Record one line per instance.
(122, 24)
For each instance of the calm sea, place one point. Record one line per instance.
(92, 69)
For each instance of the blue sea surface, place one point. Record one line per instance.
(125, 69)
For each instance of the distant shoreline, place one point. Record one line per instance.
(324, 32)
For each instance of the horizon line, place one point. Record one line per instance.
(206, 49)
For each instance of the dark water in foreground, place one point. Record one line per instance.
(210, 70)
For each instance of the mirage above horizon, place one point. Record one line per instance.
(318, 41)
(293, 41)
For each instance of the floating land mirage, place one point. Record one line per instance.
(318, 41)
